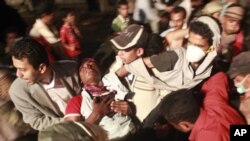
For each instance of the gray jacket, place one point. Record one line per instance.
(179, 77)
(33, 101)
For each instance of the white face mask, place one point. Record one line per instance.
(194, 53)
(240, 86)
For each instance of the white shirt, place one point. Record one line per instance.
(117, 126)
(41, 29)
(59, 95)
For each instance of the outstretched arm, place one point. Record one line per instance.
(164, 61)
(122, 72)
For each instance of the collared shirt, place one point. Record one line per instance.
(216, 115)
(58, 93)
(117, 125)
(119, 23)
(110, 81)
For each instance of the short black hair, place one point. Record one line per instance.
(32, 50)
(151, 43)
(84, 60)
(180, 105)
(154, 45)
(203, 29)
(179, 9)
(122, 2)
(66, 11)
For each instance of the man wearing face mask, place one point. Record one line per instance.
(182, 67)
(239, 71)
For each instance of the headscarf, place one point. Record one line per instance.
(214, 27)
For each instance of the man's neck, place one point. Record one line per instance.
(124, 18)
(228, 34)
(47, 77)
(94, 82)
(67, 24)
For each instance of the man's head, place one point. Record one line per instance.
(177, 16)
(11, 34)
(123, 8)
(181, 109)
(204, 37)
(46, 11)
(30, 59)
(213, 9)
(69, 16)
(89, 71)
(131, 42)
(134, 42)
(239, 71)
(232, 18)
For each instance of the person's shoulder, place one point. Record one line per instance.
(18, 86)
(63, 28)
(219, 76)
(116, 19)
(39, 24)
(75, 100)
(216, 81)
(18, 82)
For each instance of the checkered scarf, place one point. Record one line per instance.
(96, 90)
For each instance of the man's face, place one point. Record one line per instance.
(239, 78)
(129, 55)
(123, 10)
(177, 20)
(244, 99)
(89, 72)
(71, 18)
(198, 40)
(49, 18)
(10, 37)
(230, 25)
(26, 71)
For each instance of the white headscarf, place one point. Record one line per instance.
(214, 27)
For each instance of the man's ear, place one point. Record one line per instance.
(140, 51)
(186, 126)
(42, 68)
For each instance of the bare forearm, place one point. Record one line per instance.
(176, 35)
(93, 118)
(122, 72)
(72, 118)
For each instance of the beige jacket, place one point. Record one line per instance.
(33, 101)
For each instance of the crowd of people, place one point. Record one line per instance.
(180, 71)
